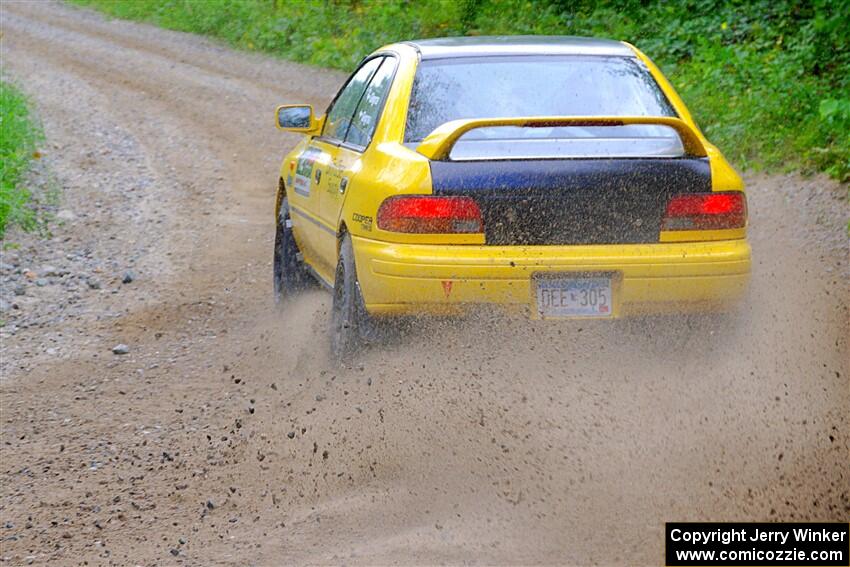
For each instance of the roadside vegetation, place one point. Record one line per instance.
(19, 136)
(767, 80)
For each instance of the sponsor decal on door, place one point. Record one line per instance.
(304, 171)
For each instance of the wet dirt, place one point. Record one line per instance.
(226, 435)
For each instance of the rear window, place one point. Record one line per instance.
(516, 86)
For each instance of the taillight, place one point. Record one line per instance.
(706, 211)
(427, 214)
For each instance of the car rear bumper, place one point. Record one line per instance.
(648, 278)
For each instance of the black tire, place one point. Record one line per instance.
(351, 325)
(290, 276)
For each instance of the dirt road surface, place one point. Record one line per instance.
(225, 436)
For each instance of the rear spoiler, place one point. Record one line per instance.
(439, 143)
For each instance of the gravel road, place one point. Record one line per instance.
(225, 436)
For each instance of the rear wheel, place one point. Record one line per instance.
(290, 275)
(351, 325)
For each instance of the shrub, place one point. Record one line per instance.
(767, 80)
(18, 138)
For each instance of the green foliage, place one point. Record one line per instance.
(767, 79)
(18, 138)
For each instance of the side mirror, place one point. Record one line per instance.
(296, 118)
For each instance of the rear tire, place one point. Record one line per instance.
(290, 275)
(351, 326)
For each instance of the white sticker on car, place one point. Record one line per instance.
(304, 171)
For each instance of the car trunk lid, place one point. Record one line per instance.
(572, 201)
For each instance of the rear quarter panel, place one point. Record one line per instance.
(389, 168)
(723, 175)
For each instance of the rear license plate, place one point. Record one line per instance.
(574, 296)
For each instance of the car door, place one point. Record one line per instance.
(304, 204)
(323, 152)
(345, 162)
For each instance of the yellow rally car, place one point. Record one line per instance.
(560, 175)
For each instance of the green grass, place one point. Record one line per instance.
(767, 80)
(19, 136)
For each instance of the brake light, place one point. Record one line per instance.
(424, 214)
(706, 211)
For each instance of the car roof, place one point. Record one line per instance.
(445, 47)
